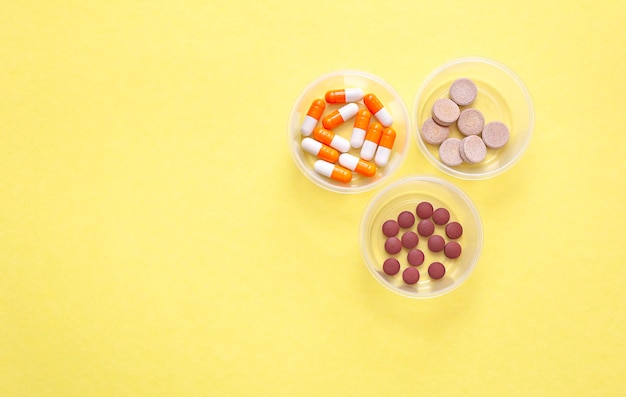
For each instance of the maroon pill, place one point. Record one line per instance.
(410, 275)
(393, 245)
(452, 250)
(424, 210)
(415, 257)
(436, 243)
(406, 219)
(390, 228)
(391, 266)
(441, 216)
(454, 230)
(410, 239)
(436, 270)
(425, 227)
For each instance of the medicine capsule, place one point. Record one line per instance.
(312, 117)
(344, 96)
(378, 110)
(361, 122)
(340, 115)
(384, 147)
(331, 139)
(354, 163)
(332, 171)
(320, 150)
(374, 132)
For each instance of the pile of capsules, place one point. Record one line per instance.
(375, 140)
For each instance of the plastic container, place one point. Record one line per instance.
(502, 96)
(370, 84)
(406, 194)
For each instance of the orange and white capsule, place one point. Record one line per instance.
(332, 171)
(361, 122)
(344, 96)
(312, 117)
(331, 139)
(340, 116)
(374, 132)
(356, 164)
(320, 150)
(378, 110)
(384, 147)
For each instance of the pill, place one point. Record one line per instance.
(452, 250)
(424, 210)
(391, 266)
(454, 230)
(463, 91)
(332, 171)
(495, 134)
(406, 219)
(434, 133)
(356, 164)
(415, 257)
(441, 216)
(410, 240)
(393, 245)
(374, 132)
(384, 147)
(344, 96)
(390, 228)
(436, 243)
(445, 112)
(425, 227)
(378, 110)
(473, 149)
(320, 150)
(361, 122)
(410, 275)
(471, 122)
(312, 117)
(436, 270)
(340, 116)
(331, 139)
(449, 152)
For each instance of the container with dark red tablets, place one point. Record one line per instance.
(421, 237)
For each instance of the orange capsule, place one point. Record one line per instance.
(340, 115)
(320, 150)
(384, 147)
(331, 139)
(374, 132)
(333, 171)
(354, 163)
(361, 122)
(378, 110)
(344, 96)
(312, 117)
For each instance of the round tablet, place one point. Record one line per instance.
(495, 134)
(393, 245)
(410, 275)
(410, 240)
(454, 230)
(471, 122)
(462, 151)
(452, 250)
(449, 152)
(406, 219)
(390, 228)
(445, 111)
(391, 266)
(425, 227)
(463, 91)
(415, 257)
(424, 210)
(441, 216)
(473, 148)
(436, 270)
(434, 133)
(436, 243)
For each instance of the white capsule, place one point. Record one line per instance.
(308, 124)
(348, 111)
(339, 143)
(382, 156)
(357, 137)
(354, 94)
(384, 117)
(368, 150)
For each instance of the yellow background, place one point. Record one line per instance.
(156, 238)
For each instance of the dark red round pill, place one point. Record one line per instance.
(391, 266)
(436, 243)
(393, 245)
(425, 227)
(390, 228)
(452, 250)
(410, 239)
(436, 270)
(406, 219)
(415, 257)
(410, 275)
(454, 230)
(424, 210)
(441, 216)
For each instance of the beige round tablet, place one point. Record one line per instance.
(449, 152)
(473, 149)
(471, 122)
(445, 112)
(463, 91)
(495, 134)
(434, 133)
(462, 153)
